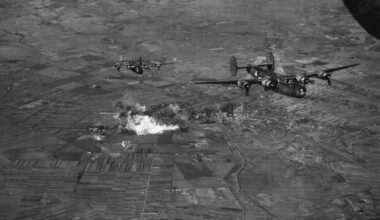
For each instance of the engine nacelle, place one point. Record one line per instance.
(248, 68)
(323, 75)
(302, 79)
(118, 66)
(269, 83)
(146, 67)
(244, 84)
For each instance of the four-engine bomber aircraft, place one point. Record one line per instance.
(138, 66)
(264, 75)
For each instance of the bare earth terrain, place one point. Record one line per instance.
(225, 156)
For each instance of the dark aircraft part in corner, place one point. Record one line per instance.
(298, 91)
(367, 14)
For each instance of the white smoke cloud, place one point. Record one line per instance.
(175, 108)
(140, 108)
(144, 124)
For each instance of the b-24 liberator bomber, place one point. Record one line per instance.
(139, 66)
(264, 75)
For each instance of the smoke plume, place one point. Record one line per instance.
(144, 124)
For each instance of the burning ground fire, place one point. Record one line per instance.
(136, 120)
(144, 124)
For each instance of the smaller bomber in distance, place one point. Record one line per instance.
(264, 75)
(139, 66)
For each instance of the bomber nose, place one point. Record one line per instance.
(301, 91)
(272, 85)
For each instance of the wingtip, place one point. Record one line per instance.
(193, 82)
(354, 64)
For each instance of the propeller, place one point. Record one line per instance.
(119, 64)
(302, 79)
(269, 83)
(328, 80)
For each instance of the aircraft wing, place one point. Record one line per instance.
(331, 70)
(162, 63)
(216, 82)
(340, 68)
(243, 84)
(227, 82)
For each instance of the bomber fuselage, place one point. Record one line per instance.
(282, 84)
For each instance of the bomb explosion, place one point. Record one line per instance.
(136, 118)
(144, 124)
